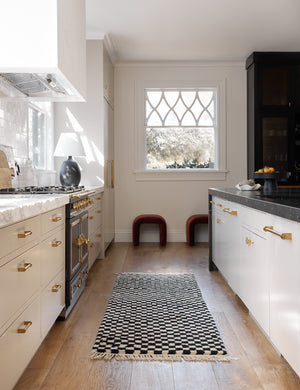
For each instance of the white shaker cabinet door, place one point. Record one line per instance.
(253, 286)
(285, 289)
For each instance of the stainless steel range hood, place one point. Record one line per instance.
(43, 54)
(34, 84)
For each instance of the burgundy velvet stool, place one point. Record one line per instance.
(149, 218)
(190, 226)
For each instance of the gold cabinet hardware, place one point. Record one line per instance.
(56, 243)
(248, 241)
(91, 217)
(23, 328)
(98, 235)
(98, 211)
(56, 288)
(79, 283)
(231, 212)
(56, 219)
(91, 245)
(283, 236)
(86, 240)
(219, 204)
(212, 202)
(290, 104)
(25, 234)
(105, 86)
(98, 198)
(219, 221)
(24, 267)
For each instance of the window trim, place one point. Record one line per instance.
(143, 174)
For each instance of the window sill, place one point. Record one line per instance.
(186, 175)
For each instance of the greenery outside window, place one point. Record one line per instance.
(180, 128)
(37, 136)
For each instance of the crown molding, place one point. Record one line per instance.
(96, 35)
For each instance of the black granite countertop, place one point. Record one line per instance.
(284, 202)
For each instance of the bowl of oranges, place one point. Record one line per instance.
(269, 175)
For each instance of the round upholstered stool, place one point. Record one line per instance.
(149, 218)
(190, 226)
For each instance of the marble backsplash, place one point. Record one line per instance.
(14, 143)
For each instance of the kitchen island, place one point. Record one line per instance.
(255, 244)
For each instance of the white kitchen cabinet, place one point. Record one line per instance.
(254, 269)
(261, 264)
(94, 120)
(285, 290)
(109, 191)
(226, 225)
(32, 280)
(96, 244)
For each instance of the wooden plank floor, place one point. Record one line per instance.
(62, 361)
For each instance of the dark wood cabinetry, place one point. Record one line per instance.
(273, 85)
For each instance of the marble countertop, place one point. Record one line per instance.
(284, 202)
(14, 208)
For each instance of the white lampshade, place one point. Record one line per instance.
(69, 144)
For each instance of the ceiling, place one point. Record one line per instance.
(194, 30)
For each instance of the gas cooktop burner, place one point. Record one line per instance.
(41, 190)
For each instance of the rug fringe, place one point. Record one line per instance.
(161, 358)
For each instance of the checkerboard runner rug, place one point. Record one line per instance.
(160, 317)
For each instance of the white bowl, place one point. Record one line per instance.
(246, 187)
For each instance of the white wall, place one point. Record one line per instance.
(174, 200)
(14, 143)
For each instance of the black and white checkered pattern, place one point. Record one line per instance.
(157, 314)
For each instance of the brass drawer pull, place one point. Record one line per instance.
(98, 211)
(283, 236)
(79, 283)
(91, 217)
(219, 204)
(98, 198)
(91, 245)
(25, 234)
(219, 221)
(56, 243)
(98, 235)
(23, 328)
(227, 210)
(24, 267)
(212, 202)
(56, 287)
(56, 219)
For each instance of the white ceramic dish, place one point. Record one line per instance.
(246, 187)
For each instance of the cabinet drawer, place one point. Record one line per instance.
(52, 219)
(52, 301)
(17, 349)
(53, 259)
(19, 234)
(19, 280)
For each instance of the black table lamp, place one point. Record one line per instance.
(69, 144)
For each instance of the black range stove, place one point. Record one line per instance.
(41, 190)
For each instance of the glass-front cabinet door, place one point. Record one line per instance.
(275, 86)
(275, 143)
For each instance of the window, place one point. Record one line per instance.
(180, 128)
(37, 135)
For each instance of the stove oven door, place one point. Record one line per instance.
(77, 243)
